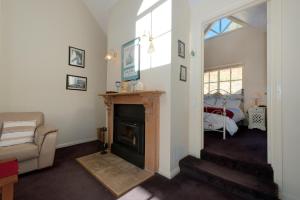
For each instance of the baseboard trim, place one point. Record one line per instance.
(72, 143)
(288, 197)
(174, 172)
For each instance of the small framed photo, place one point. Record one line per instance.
(183, 73)
(76, 57)
(181, 49)
(76, 83)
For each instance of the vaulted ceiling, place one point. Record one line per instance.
(100, 10)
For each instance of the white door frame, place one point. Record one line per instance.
(274, 81)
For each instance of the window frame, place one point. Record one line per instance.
(218, 70)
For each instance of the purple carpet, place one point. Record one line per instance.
(245, 145)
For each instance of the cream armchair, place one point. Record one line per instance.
(31, 156)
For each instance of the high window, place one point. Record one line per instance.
(222, 26)
(227, 80)
(154, 28)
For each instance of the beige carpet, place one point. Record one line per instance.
(118, 175)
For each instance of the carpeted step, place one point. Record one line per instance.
(238, 183)
(264, 172)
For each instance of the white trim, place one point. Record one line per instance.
(72, 143)
(274, 82)
(174, 172)
(288, 197)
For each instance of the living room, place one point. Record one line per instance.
(48, 45)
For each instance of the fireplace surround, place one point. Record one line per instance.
(150, 101)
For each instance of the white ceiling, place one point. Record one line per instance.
(255, 16)
(100, 10)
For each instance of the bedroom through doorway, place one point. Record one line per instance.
(235, 87)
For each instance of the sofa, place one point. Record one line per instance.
(31, 156)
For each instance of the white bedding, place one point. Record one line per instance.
(214, 121)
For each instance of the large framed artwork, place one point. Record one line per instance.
(131, 60)
(76, 57)
(76, 83)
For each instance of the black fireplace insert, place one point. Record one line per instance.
(129, 133)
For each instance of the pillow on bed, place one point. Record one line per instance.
(209, 100)
(231, 103)
(220, 102)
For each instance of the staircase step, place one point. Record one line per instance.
(264, 172)
(238, 183)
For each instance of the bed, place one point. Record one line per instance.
(223, 111)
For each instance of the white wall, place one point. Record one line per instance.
(248, 46)
(121, 29)
(179, 89)
(36, 35)
(174, 103)
(286, 94)
(291, 99)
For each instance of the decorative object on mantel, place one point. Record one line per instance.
(118, 85)
(183, 73)
(131, 60)
(151, 102)
(181, 49)
(76, 83)
(139, 86)
(76, 57)
(124, 87)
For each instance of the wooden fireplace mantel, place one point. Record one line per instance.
(151, 102)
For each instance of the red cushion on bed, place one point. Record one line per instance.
(218, 111)
(8, 168)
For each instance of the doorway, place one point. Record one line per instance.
(235, 85)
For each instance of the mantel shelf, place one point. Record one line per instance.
(141, 93)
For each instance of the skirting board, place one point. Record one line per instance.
(81, 141)
(288, 197)
(170, 174)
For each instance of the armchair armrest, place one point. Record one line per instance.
(42, 132)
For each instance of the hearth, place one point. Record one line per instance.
(129, 133)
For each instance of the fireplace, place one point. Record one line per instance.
(129, 133)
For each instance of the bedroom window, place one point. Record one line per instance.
(229, 79)
(222, 26)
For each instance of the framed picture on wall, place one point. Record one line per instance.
(183, 73)
(131, 60)
(76, 83)
(76, 57)
(181, 49)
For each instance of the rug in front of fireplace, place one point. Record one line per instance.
(116, 174)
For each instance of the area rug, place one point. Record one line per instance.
(116, 174)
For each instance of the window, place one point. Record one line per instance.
(222, 26)
(227, 80)
(155, 22)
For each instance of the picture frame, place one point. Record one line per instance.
(181, 49)
(76, 57)
(183, 73)
(131, 60)
(76, 83)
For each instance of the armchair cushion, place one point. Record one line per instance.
(25, 116)
(21, 152)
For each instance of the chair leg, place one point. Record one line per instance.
(8, 192)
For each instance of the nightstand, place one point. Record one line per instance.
(257, 118)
